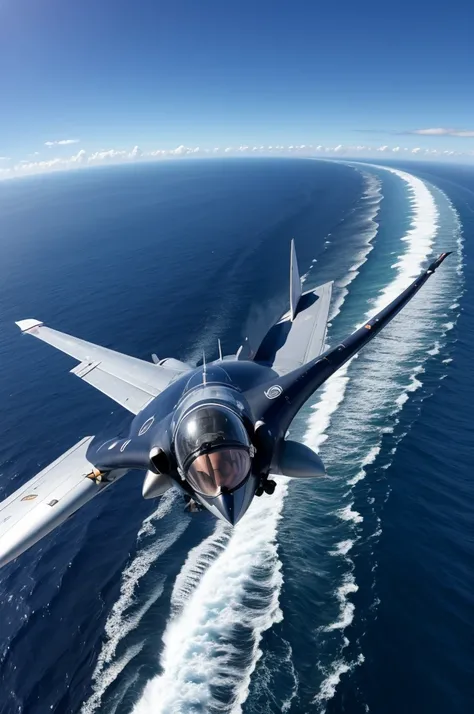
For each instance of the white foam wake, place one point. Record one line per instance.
(123, 619)
(333, 677)
(213, 640)
(372, 454)
(355, 424)
(347, 608)
(196, 564)
(367, 231)
(419, 238)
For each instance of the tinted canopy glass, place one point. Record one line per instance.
(218, 471)
(212, 449)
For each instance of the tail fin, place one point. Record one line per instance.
(295, 282)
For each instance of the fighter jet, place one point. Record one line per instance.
(217, 432)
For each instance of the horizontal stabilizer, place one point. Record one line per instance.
(291, 344)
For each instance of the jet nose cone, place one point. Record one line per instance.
(228, 507)
(232, 506)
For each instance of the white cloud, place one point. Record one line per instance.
(111, 154)
(61, 142)
(4, 158)
(179, 151)
(443, 131)
(80, 157)
(31, 165)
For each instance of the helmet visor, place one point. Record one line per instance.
(217, 472)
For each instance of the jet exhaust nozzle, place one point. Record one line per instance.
(298, 461)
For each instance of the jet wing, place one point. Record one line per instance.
(48, 499)
(299, 336)
(129, 381)
(277, 404)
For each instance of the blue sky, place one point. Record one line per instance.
(114, 74)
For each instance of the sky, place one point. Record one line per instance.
(83, 82)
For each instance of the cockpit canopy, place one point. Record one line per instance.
(212, 449)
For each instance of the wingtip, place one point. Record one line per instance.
(442, 257)
(436, 263)
(29, 324)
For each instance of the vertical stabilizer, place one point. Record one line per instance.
(295, 282)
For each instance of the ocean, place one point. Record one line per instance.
(349, 594)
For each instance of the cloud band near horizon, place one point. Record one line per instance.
(116, 156)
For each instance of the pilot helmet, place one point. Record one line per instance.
(213, 450)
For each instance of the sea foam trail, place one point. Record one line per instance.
(333, 394)
(371, 199)
(123, 619)
(208, 602)
(213, 642)
(396, 357)
(419, 239)
(354, 425)
(196, 564)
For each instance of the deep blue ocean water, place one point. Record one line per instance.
(351, 594)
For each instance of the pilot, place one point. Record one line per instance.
(213, 450)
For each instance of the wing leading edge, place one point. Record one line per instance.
(129, 381)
